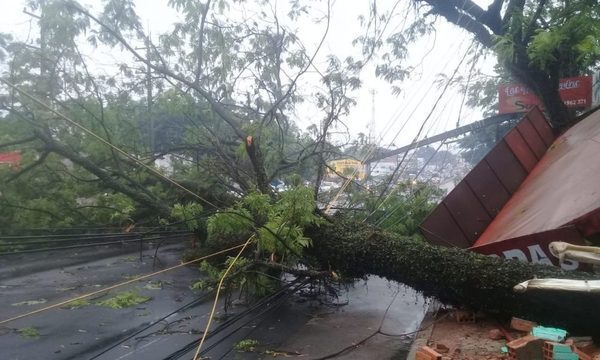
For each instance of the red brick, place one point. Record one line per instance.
(429, 353)
(464, 316)
(550, 346)
(526, 348)
(421, 356)
(581, 354)
(522, 325)
(496, 334)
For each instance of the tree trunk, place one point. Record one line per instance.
(454, 276)
(545, 84)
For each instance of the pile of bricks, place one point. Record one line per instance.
(558, 351)
(464, 316)
(545, 344)
(526, 348)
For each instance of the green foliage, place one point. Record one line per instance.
(124, 207)
(231, 222)
(189, 214)
(29, 332)
(77, 304)
(279, 229)
(571, 42)
(213, 275)
(402, 211)
(124, 300)
(246, 345)
(279, 225)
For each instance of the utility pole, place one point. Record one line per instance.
(149, 95)
(371, 140)
(44, 85)
(372, 133)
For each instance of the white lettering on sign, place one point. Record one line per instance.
(537, 256)
(515, 254)
(568, 84)
(569, 264)
(516, 90)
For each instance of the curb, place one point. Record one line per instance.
(423, 336)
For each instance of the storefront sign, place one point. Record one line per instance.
(576, 92)
(12, 158)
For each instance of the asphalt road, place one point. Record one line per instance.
(287, 324)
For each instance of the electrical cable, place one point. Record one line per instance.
(107, 143)
(392, 212)
(151, 324)
(112, 287)
(356, 344)
(420, 130)
(214, 307)
(84, 235)
(30, 251)
(296, 284)
(373, 148)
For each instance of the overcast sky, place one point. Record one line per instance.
(397, 118)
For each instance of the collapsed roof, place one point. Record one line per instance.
(530, 189)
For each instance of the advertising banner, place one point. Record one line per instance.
(596, 89)
(576, 92)
(12, 158)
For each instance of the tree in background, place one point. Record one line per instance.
(227, 87)
(536, 42)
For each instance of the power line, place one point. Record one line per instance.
(112, 287)
(107, 143)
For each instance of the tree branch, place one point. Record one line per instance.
(141, 198)
(200, 50)
(227, 116)
(18, 142)
(30, 167)
(529, 32)
(465, 21)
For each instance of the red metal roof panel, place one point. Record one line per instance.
(564, 188)
(488, 188)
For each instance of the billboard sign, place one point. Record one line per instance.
(596, 89)
(576, 92)
(12, 158)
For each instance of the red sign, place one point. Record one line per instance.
(576, 92)
(534, 248)
(12, 158)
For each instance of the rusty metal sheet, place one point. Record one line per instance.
(488, 188)
(539, 122)
(440, 228)
(505, 165)
(534, 247)
(522, 151)
(467, 211)
(532, 138)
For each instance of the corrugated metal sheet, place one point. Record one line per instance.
(531, 189)
(472, 205)
(563, 189)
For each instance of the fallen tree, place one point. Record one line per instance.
(454, 276)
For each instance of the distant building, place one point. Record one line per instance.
(347, 167)
(384, 167)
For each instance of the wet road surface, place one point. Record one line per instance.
(284, 324)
